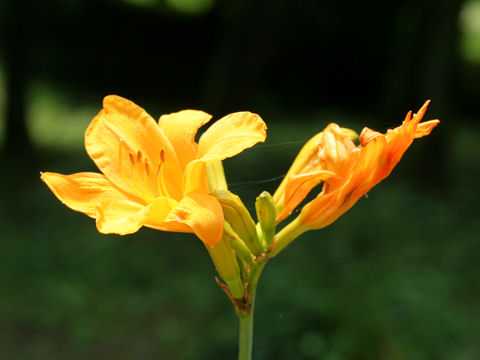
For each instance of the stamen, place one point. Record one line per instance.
(162, 189)
(147, 168)
(141, 177)
(150, 182)
(132, 159)
(135, 172)
(122, 170)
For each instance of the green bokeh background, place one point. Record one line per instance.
(397, 277)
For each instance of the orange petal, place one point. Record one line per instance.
(327, 207)
(181, 128)
(85, 191)
(202, 213)
(419, 115)
(231, 135)
(298, 187)
(368, 135)
(424, 128)
(372, 166)
(305, 161)
(320, 158)
(123, 122)
(376, 159)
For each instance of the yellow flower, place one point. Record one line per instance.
(347, 171)
(154, 173)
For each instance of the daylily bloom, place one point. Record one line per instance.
(346, 170)
(154, 174)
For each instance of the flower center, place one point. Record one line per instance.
(143, 179)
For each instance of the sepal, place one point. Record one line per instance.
(227, 267)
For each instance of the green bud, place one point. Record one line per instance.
(238, 245)
(266, 216)
(237, 215)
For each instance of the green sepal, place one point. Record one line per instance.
(226, 263)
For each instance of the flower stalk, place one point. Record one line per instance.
(245, 312)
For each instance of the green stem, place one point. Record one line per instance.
(286, 236)
(245, 316)
(245, 340)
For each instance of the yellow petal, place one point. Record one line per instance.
(195, 178)
(231, 135)
(158, 212)
(202, 213)
(181, 128)
(305, 161)
(120, 216)
(85, 191)
(122, 123)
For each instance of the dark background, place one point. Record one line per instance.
(397, 277)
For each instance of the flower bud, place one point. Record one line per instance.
(237, 215)
(241, 250)
(266, 215)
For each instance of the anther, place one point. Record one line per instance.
(160, 181)
(147, 168)
(127, 181)
(132, 158)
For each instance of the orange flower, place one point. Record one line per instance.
(154, 173)
(347, 171)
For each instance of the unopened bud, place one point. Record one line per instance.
(240, 248)
(237, 215)
(266, 215)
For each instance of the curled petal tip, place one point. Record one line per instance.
(423, 109)
(425, 128)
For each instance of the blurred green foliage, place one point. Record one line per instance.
(188, 7)
(469, 23)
